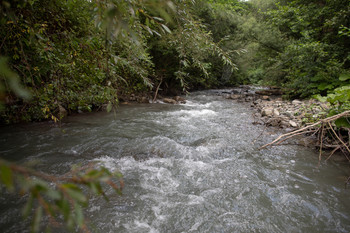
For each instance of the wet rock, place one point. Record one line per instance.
(179, 99)
(235, 96)
(273, 122)
(258, 101)
(276, 112)
(296, 102)
(293, 124)
(285, 124)
(265, 97)
(132, 97)
(248, 99)
(288, 114)
(62, 112)
(267, 111)
(169, 101)
(144, 100)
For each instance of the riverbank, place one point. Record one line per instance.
(306, 119)
(272, 110)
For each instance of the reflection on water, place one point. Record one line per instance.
(187, 168)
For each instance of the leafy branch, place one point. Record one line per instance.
(58, 197)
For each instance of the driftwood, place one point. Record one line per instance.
(156, 93)
(321, 128)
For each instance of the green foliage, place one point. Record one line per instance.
(339, 100)
(78, 55)
(9, 79)
(186, 57)
(54, 50)
(301, 46)
(58, 198)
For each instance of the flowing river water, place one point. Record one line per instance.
(187, 168)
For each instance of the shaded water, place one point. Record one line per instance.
(187, 168)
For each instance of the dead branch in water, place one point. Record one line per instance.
(156, 93)
(321, 127)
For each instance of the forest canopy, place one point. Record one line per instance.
(79, 55)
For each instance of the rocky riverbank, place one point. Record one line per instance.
(272, 110)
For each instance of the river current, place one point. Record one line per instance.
(193, 167)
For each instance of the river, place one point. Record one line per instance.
(192, 167)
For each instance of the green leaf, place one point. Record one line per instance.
(13, 80)
(6, 176)
(321, 98)
(77, 195)
(166, 28)
(324, 86)
(149, 30)
(343, 122)
(40, 185)
(28, 206)
(53, 194)
(344, 76)
(158, 19)
(93, 188)
(36, 220)
(155, 32)
(63, 205)
(79, 216)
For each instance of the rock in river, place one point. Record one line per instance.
(169, 101)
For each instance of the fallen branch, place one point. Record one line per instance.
(313, 127)
(347, 148)
(156, 93)
(284, 139)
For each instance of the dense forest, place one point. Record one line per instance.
(79, 55)
(68, 56)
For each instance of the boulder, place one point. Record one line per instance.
(293, 124)
(285, 124)
(289, 114)
(273, 122)
(276, 112)
(235, 96)
(179, 99)
(144, 100)
(265, 97)
(169, 101)
(248, 99)
(296, 102)
(267, 111)
(62, 112)
(258, 101)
